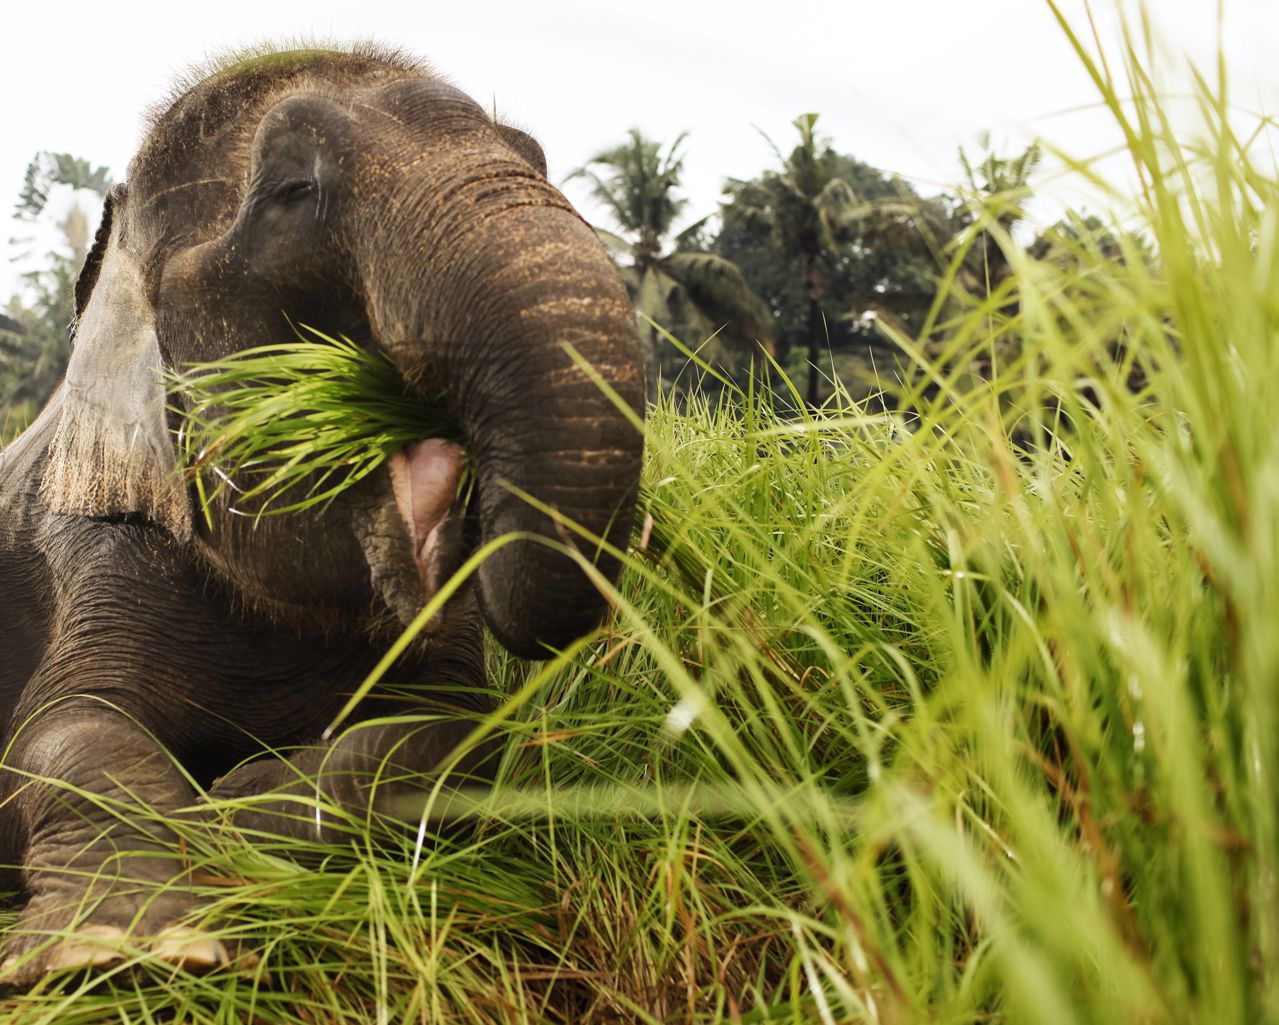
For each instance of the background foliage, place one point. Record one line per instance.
(801, 264)
(35, 328)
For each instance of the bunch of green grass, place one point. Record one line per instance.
(289, 427)
(963, 715)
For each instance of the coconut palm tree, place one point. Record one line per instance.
(808, 208)
(699, 297)
(999, 188)
(35, 333)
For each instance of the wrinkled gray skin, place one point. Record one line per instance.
(359, 193)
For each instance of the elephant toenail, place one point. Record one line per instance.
(188, 948)
(87, 948)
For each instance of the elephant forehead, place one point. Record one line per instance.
(192, 169)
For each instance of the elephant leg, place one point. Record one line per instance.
(378, 772)
(92, 792)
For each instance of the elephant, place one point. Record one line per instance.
(151, 653)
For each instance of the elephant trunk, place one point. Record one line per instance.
(490, 319)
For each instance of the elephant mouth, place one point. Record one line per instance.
(424, 478)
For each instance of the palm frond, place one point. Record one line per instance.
(719, 290)
(652, 296)
(49, 169)
(638, 184)
(685, 237)
(614, 243)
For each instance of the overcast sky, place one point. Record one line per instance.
(901, 84)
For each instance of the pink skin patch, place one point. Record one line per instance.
(424, 477)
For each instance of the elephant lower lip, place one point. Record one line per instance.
(424, 477)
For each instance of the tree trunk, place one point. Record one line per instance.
(652, 348)
(816, 325)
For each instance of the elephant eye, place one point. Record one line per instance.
(292, 191)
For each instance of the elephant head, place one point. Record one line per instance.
(361, 194)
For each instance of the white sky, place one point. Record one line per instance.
(899, 83)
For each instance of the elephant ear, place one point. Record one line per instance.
(112, 453)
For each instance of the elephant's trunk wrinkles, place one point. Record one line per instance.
(512, 299)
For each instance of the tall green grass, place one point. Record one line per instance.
(963, 714)
(305, 419)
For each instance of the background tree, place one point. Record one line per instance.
(807, 209)
(701, 298)
(882, 247)
(996, 196)
(35, 330)
(999, 189)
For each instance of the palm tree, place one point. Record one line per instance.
(35, 334)
(808, 208)
(697, 296)
(47, 170)
(996, 198)
(1000, 187)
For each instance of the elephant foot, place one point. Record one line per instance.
(59, 934)
(107, 883)
(95, 948)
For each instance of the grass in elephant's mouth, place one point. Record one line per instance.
(289, 427)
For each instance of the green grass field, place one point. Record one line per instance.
(970, 715)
